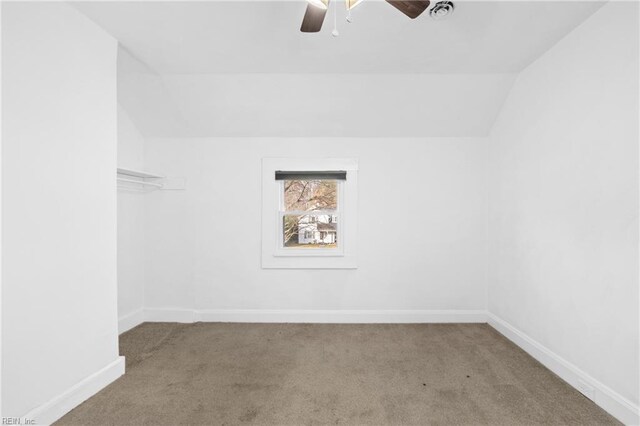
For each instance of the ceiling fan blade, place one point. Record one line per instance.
(411, 8)
(313, 19)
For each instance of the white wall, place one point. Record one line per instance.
(564, 201)
(130, 224)
(203, 244)
(1, 239)
(309, 105)
(59, 320)
(323, 105)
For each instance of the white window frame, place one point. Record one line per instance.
(274, 254)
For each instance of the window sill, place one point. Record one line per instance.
(309, 262)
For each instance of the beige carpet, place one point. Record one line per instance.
(295, 374)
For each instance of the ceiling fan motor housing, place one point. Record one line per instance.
(442, 10)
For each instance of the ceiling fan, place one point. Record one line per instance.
(317, 9)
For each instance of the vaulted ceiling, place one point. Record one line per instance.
(264, 37)
(243, 68)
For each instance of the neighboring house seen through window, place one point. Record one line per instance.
(309, 213)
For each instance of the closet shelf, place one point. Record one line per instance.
(138, 174)
(141, 182)
(136, 180)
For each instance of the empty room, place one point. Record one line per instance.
(310, 212)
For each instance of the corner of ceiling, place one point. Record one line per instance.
(496, 118)
(142, 90)
(536, 59)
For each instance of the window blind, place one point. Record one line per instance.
(312, 175)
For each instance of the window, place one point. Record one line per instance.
(309, 213)
(309, 209)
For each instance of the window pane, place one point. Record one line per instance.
(309, 195)
(310, 231)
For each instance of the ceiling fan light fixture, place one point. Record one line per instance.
(352, 3)
(442, 10)
(320, 4)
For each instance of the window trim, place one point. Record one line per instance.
(274, 255)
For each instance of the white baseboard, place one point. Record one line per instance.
(53, 410)
(315, 316)
(169, 315)
(612, 402)
(133, 319)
